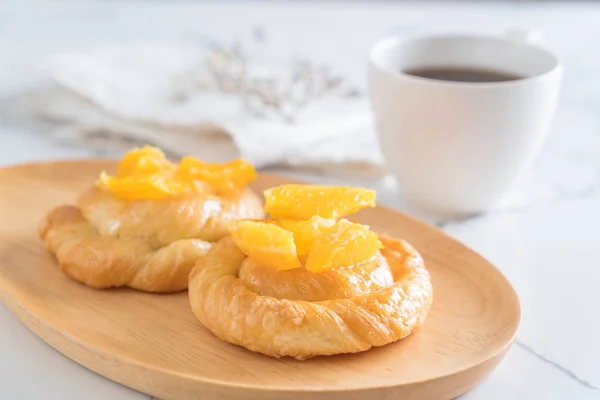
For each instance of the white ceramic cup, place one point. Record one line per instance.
(455, 148)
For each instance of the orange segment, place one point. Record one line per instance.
(132, 188)
(145, 161)
(301, 202)
(146, 174)
(306, 232)
(344, 244)
(266, 243)
(141, 173)
(224, 178)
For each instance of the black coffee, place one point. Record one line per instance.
(462, 74)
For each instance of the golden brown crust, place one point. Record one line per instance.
(147, 245)
(379, 312)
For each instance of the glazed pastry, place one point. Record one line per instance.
(307, 282)
(146, 226)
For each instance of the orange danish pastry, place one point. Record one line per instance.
(311, 283)
(146, 226)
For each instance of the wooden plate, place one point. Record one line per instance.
(154, 344)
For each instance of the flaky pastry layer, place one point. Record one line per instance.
(302, 314)
(152, 246)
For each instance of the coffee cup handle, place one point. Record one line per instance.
(525, 35)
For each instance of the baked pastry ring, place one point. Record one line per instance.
(147, 228)
(303, 314)
(152, 246)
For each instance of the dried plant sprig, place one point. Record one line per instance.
(231, 69)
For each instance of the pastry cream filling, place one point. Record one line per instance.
(301, 284)
(146, 174)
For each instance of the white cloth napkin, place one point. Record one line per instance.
(158, 92)
(147, 93)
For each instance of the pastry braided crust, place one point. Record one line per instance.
(152, 246)
(303, 314)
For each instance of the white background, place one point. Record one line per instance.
(547, 246)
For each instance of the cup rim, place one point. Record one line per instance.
(397, 40)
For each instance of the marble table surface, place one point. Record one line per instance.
(546, 244)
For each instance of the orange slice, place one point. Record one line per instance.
(146, 174)
(306, 232)
(345, 244)
(266, 243)
(142, 173)
(135, 188)
(144, 161)
(223, 178)
(301, 202)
